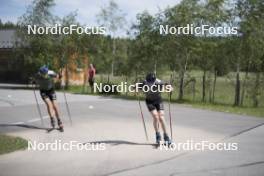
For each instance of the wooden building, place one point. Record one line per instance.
(11, 64)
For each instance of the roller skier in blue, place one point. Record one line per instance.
(45, 79)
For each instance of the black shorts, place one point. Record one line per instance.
(48, 94)
(152, 105)
(91, 82)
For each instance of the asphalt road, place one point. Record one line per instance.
(117, 125)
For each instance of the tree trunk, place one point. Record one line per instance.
(237, 88)
(181, 85)
(210, 87)
(243, 88)
(155, 68)
(114, 53)
(182, 73)
(193, 89)
(256, 90)
(136, 81)
(215, 77)
(126, 82)
(112, 68)
(171, 83)
(204, 86)
(108, 78)
(85, 78)
(101, 78)
(67, 77)
(136, 78)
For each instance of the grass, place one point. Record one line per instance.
(9, 144)
(251, 111)
(223, 99)
(244, 110)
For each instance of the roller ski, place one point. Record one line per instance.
(158, 138)
(46, 79)
(61, 129)
(159, 142)
(167, 140)
(155, 106)
(52, 123)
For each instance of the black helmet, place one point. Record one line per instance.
(151, 77)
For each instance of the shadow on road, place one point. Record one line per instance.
(16, 87)
(25, 126)
(119, 142)
(7, 101)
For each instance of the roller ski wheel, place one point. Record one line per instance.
(158, 140)
(167, 140)
(61, 129)
(52, 124)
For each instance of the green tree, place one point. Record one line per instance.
(251, 24)
(180, 48)
(147, 46)
(36, 49)
(113, 19)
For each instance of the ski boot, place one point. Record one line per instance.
(158, 138)
(52, 122)
(167, 140)
(60, 125)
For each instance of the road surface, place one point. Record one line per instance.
(117, 125)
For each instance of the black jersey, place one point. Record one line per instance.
(153, 95)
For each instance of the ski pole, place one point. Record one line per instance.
(38, 107)
(143, 120)
(67, 105)
(170, 114)
(170, 110)
(65, 98)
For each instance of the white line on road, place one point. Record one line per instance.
(36, 119)
(17, 123)
(29, 121)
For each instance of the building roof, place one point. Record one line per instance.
(8, 38)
